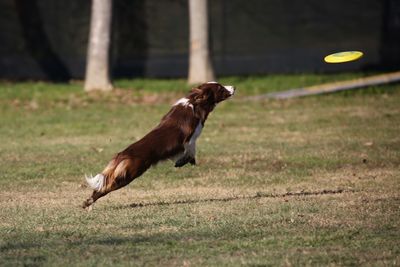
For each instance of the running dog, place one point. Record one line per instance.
(174, 137)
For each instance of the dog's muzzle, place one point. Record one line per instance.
(230, 89)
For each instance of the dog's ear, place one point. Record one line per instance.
(197, 95)
(195, 90)
(203, 95)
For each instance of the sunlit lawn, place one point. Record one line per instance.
(309, 181)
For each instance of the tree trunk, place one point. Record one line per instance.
(200, 65)
(97, 66)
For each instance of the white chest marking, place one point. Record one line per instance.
(190, 147)
(184, 102)
(196, 133)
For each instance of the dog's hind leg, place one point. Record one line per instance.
(115, 184)
(95, 195)
(121, 175)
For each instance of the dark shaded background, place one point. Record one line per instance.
(47, 39)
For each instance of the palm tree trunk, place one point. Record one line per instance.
(200, 65)
(97, 68)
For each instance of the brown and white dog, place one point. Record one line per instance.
(175, 136)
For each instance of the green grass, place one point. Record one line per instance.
(309, 181)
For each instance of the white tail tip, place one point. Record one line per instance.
(95, 182)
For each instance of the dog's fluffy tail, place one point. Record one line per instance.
(113, 169)
(116, 169)
(96, 182)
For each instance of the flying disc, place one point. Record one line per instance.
(345, 56)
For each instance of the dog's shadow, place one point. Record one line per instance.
(258, 195)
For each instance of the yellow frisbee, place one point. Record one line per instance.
(345, 56)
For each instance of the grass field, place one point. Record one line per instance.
(309, 181)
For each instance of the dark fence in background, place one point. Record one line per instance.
(47, 39)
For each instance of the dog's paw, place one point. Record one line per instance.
(183, 161)
(87, 204)
(180, 163)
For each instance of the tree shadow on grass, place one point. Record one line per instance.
(44, 242)
(39, 242)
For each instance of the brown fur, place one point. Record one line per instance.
(165, 141)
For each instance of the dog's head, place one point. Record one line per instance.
(205, 97)
(211, 93)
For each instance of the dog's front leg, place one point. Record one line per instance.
(188, 155)
(185, 160)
